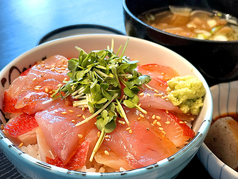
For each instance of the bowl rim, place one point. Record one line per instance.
(143, 170)
(126, 9)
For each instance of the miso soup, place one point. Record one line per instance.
(191, 23)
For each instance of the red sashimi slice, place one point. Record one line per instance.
(9, 104)
(174, 128)
(140, 145)
(20, 125)
(22, 129)
(58, 125)
(159, 71)
(151, 98)
(36, 85)
(78, 160)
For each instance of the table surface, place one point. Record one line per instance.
(25, 22)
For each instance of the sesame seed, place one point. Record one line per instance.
(106, 152)
(156, 91)
(38, 66)
(162, 73)
(107, 136)
(47, 67)
(157, 117)
(64, 112)
(121, 122)
(73, 121)
(37, 88)
(53, 66)
(84, 117)
(139, 118)
(65, 79)
(167, 111)
(167, 122)
(141, 94)
(46, 90)
(21, 144)
(83, 108)
(71, 111)
(154, 122)
(42, 65)
(130, 131)
(153, 117)
(62, 68)
(52, 69)
(34, 79)
(181, 122)
(65, 66)
(141, 115)
(161, 128)
(148, 94)
(158, 123)
(79, 115)
(98, 134)
(80, 136)
(128, 128)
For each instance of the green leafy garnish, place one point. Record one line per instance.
(102, 81)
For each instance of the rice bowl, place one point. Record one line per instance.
(144, 50)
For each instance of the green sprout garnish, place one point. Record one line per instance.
(96, 82)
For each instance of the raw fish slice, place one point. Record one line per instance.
(22, 129)
(58, 124)
(34, 87)
(140, 146)
(151, 98)
(159, 71)
(174, 128)
(111, 160)
(9, 103)
(44, 149)
(77, 161)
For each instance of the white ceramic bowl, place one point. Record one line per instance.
(225, 101)
(146, 52)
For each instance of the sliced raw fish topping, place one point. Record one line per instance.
(159, 71)
(20, 125)
(173, 127)
(139, 144)
(78, 160)
(58, 125)
(35, 86)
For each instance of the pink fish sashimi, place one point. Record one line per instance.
(35, 87)
(139, 145)
(22, 129)
(159, 71)
(111, 160)
(173, 127)
(77, 161)
(151, 98)
(58, 126)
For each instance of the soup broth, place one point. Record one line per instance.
(186, 22)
